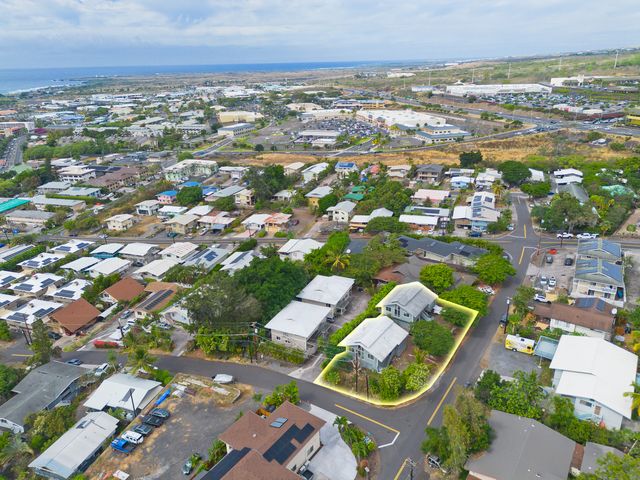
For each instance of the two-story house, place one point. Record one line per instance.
(408, 303)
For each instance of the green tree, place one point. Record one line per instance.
(437, 277)
(327, 201)
(41, 344)
(390, 383)
(112, 360)
(459, 440)
(618, 468)
(469, 297)
(385, 224)
(493, 269)
(226, 204)
(49, 425)
(9, 378)
(184, 274)
(5, 333)
(189, 196)
(486, 384)
(432, 337)
(267, 181)
(514, 173)
(141, 360)
(415, 376)
(287, 392)
(185, 154)
(11, 447)
(537, 189)
(522, 298)
(474, 414)
(455, 317)
(247, 245)
(519, 397)
(566, 213)
(470, 159)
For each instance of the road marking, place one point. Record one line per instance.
(521, 257)
(433, 415)
(525, 231)
(404, 464)
(20, 355)
(368, 418)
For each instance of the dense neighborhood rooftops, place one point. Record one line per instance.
(327, 290)
(36, 283)
(597, 270)
(377, 336)
(137, 249)
(523, 449)
(125, 290)
(76, 445)
(109, 266)
(31, 311)
(72, 246)
(41, 260)
(6, 278)
(12, 204)
(441, 249)
(113, 392)
(76, 315)
(588, 312)
(72, 290)
(600, 248)
(412, 297)
(596, 369)
(300, 319)
(12, 252)
(108, 249)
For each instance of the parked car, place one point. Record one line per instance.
(160, 412)
(133, 437)
(565, 235)
(164, 325)
(552, 281)
(126, 314)
(543, 280)
(223, 378)
(503, 319)
(123, 446)
(172, 234)
(540, 298)
(548, 258)
(188, 465)
(587, 236)
(153, 420)
(511, 227)
(475, 234)
(568, 260)
(101, 370)
(75, 361)
(143, 429)
(54, 335)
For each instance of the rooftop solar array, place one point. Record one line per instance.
(23, 286)
(279, 422)
(20, 317)
(282, 449)
(43, 311)
(46, 282)
(65, 293)
(63, 248)
(154, 300)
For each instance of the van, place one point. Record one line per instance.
(133, 437)
(101, 370)
(519, 344)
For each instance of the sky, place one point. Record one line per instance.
(66, 33)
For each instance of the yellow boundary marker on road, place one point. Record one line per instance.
(404, 464)
(433, 415)
(525, 231)
(367, 418)
(408, 398)
(521, 256)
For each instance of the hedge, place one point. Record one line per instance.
(476, 242)
(275, 350)
(12, 265)
(371, 311)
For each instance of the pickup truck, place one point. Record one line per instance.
(121, 445)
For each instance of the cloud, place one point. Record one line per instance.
(114, 32)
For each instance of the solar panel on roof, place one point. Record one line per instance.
(43, 311)
(3, 303)
(65, 293)
(23, 286)
(63, 248)
(22, 317)
(156, 299)
(210, 256)
(47, 282)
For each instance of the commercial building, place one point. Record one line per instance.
(237, 116)
(76, 174)
(496, 89)
(190, 168)
(236, 130)
(112, 181)
(406, 118)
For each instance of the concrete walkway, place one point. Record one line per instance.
(334, 460)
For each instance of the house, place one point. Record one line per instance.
(215, 223)
(237, 261)
(155, 269)
(53, 187)
(148, 207)
(170, 211)
(44, 388)
(167, 197)
(297, 326)
(316, 194)
(107, 250)
(566, 176)
(74, 317)
(461, 182)
(398, 171)
(296, 249)
(235, 172)
(80, 192)
(41, 261)
(123, 391)
(333, 292)
(593, 452)
(536, 175)
(109, 266)
(431, 197)
(183, 224)
(408, 303)
(454, 253)
(179, 252)
(431, 174)
(208, 258)
(190, 168)
(7, 278)
(36, 285)
(73, 246)
(139, 252)
(120, 223)
(11, 205)
(8, 302)
(343, 169)
(76, 174)
(479, 214)
(9, 253)
(341, 212)
(256, 222)
(77, 448)
(293, 168)
(28, 218)
(600, 249)
(421, 223)
(589, 316)
(313, 171)
(41, 202)
(123, 290)
(81, 265)
(487, 178)
(360, 222)
(72, 291)
(277, 222)
(523, 449)
(595, 375)
(271, 448)
(375, 342)
(225, 192)
(160, 295)
(601, 279)
(244, 198)
(284, 196)
(112, 181)
(200, 210)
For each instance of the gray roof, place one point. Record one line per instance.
(596, 270)
(430, 168)
(412, 297)
(441, 249)
(378, 336)
(38, 389)
(227, 192)
(575, 190)
(600, 248)
(345, 206)
(525, 449)
(594, 451)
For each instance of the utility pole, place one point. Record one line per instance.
(412, 465)
(473, 75)
(429, 77)
(560, 64)
(366, 380)
(356, 366)
(615, 64)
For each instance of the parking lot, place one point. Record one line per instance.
(506, 362)
(195, 422)
(540, 269)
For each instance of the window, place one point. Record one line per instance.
(310, 450)
(277, 338)
(585, 403)
(370, 356)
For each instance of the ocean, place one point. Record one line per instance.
(15, 80)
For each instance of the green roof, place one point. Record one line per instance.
(358, 189)
(354, 196)
(12, 204)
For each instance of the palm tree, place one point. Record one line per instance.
(341, 423)
(497, 189)
(140, 359)
(339, 261)
(13, 448)
(635, 397)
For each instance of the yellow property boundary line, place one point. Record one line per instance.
(407, 398)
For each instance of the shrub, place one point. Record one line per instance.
(432, 337)
(332, 376)
(454, 316)
(247, 245)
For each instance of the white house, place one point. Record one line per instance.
(567, 176)
(148, 207)
(237, 261)
(297, 324)
(595, 375)
(342, 212)
(109, 266)
(179, 252)
(123, 391)
(408, 303)
(312, 171)
(333, 292)
(297, 248)
(155, 269)
(120, 223)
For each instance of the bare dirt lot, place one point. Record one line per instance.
(195, 422)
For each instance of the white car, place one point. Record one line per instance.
(587, 236)
(552, 281)
(540, 298)
(133, 437)
(487, 290)
(101, 369)
(543, 280)
(565, 235)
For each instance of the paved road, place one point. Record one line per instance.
(13, 153)
(384, 423)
